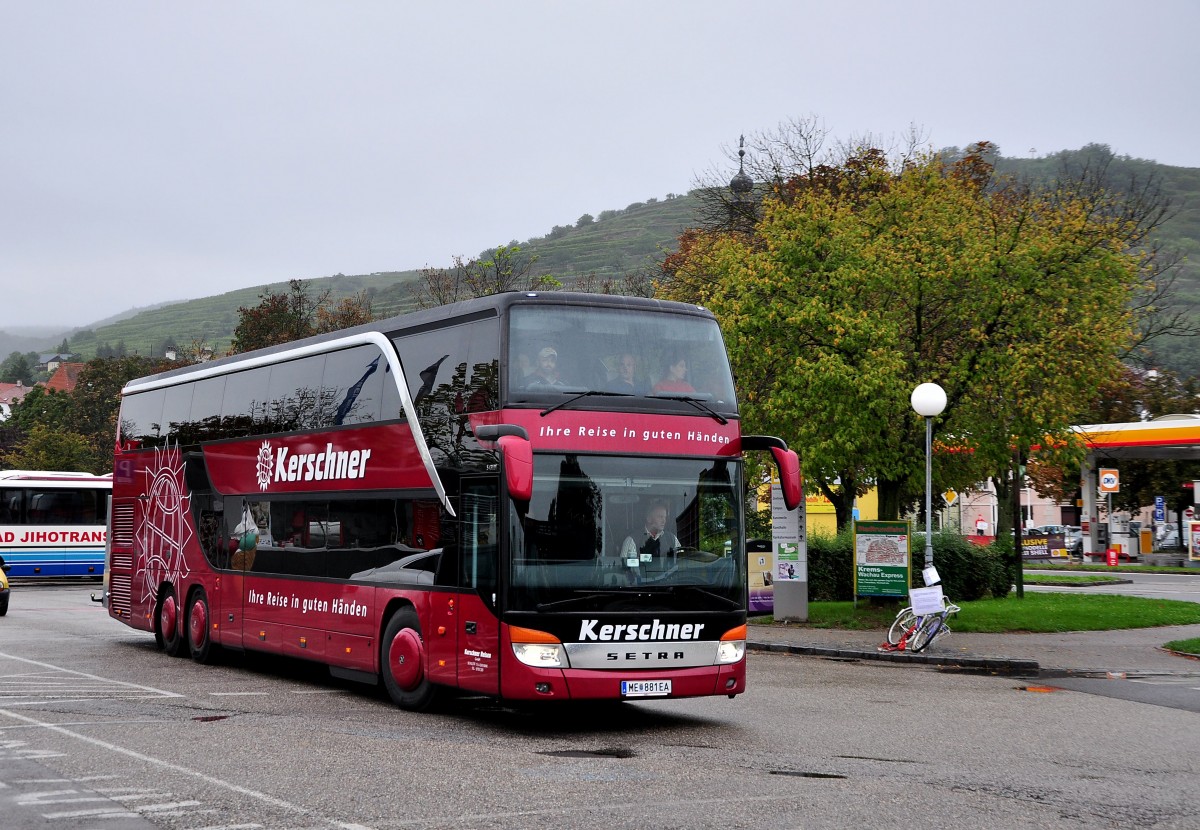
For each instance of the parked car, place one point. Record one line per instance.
(1074, 539)
(1168, 537)
(3, 587)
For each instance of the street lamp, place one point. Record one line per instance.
(928, 400)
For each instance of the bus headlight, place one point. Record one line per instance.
(541, 655)
(732, 646)
(538, 648)
(730, 651)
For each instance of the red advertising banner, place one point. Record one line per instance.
(625, 432)
(376, 458)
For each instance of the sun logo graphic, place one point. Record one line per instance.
(166, 529)
(263, 471)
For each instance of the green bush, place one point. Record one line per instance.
(1003, 571)
(831, 567)
(968, 571)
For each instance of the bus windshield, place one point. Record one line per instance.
(601, 531)
(561, 350)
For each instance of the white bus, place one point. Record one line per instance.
(53, 524)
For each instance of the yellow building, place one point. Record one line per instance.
(820, 518)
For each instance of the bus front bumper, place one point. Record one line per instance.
(521, 682)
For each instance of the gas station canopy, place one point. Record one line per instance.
(1174, 437)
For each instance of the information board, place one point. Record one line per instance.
(882, 559)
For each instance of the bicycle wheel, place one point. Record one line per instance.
(925, 633)
(905, 620)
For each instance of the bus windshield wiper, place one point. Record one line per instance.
(710, 594)
(589, 393)
(698, 404)
(581, 596)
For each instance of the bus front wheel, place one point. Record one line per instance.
(166, 623)
(199, 642)
(403, 662)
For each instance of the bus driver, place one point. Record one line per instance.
(653, 542)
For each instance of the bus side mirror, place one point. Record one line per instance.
(789, 476)
(518, 466)
(786, 460)
(513, 442)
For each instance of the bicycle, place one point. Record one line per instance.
(916, 632)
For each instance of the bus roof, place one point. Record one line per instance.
(54, 475)
(473, 309)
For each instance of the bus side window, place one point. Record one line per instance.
(10, 507)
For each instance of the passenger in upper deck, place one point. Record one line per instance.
(675, 377)
(546, 374)
(626, 380)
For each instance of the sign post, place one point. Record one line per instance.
(790, 588)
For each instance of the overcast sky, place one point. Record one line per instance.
(154, 151)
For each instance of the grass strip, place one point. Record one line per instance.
(1191, 646)
(1044, 612)
(1110, 569)
(1070, 579)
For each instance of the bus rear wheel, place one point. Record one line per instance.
(402, 662)
(199, 642)
(166, 624)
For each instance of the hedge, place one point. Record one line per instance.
(968, 571)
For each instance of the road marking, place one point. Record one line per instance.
(57, 690)
(208, 779)
(318, 691)
(238, 694)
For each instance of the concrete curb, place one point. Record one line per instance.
(995, 665)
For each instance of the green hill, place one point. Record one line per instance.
(617, 243)
(620, 242)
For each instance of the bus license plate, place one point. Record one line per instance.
(645, 688)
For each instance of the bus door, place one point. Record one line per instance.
(238, 548)
(478, 625)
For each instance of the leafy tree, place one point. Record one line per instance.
(96, 401)
(64, 347)
(858, 280)
(346, 312)
(47, 448)
(43, 406)
(285, 317)
(88, 415)
(503, 269)
(16, 368)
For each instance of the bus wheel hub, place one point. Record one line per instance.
(168, 616)
(404, 659)
(198, 624)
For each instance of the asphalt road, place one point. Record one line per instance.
(98, 729)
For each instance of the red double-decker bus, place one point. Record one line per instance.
(529, 495)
